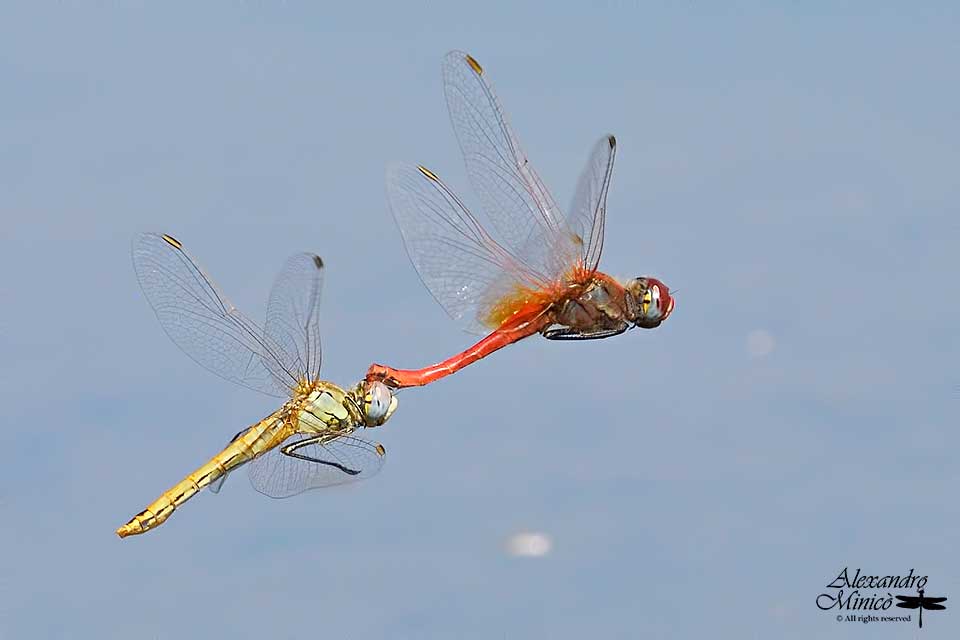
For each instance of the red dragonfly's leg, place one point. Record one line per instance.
(506, 334)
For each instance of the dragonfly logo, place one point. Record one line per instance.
(921, 602)
(864, 598)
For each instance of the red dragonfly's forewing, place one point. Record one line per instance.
(517, 201)
(528, 249)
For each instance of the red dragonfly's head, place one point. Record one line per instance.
(648, 302)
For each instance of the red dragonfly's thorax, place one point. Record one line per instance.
(596, 305)
(583, 303)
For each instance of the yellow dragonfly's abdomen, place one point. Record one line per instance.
(258, 439)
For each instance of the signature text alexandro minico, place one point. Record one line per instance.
(855, 599)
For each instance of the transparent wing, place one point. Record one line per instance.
(293, 314)
(523, 212)
(589, 208)
(462, 266)
(217, 484)
(314, 462)
(202, 321)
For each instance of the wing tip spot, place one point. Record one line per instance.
(173, 242)
(429, 174)
(473, 64)
(612, 140)
(318, 261)
(381, 451)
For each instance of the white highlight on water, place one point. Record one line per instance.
(529, 544)
(760, 343)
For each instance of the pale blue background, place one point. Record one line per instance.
(792, 170)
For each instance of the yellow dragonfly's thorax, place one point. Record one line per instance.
(324, 406)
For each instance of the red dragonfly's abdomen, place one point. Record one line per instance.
(523, 322)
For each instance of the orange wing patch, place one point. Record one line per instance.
(521, 302)
(524, 302)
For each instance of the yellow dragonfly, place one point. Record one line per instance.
(306, 444)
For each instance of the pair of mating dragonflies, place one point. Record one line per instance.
(531, 269)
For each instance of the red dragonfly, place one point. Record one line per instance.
(532, 269)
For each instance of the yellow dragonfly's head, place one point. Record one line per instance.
(378, 402)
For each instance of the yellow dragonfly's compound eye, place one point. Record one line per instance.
(378, 403)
